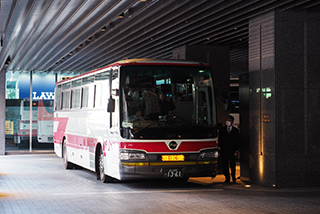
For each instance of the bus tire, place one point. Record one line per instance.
(100, 172)
(66, 163)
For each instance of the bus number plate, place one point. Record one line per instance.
(172, 173)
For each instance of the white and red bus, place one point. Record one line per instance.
(124, 121)
(24, 123)
(45, 121)
(42, 122)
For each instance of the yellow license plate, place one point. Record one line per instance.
(172, 157)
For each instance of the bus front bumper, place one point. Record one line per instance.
(170, 170)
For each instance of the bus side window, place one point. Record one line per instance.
(57, 98)
(75, 98)
(104, 95)
(85, 95)
(66, 100)
(91, 96)
(97, 96)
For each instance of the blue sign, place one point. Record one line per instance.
(42, 86)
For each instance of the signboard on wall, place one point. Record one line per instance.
(9, 127)
(42, 86)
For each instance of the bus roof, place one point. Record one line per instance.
(142, 61)
(159, 61)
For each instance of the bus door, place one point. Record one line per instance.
(203, 105)
(114, 95)
(112, 146)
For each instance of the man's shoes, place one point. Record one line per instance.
(234, 180)
(227, 181)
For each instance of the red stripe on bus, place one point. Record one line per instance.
(61, 129)
(26, 132)
(185, 146)
(27, 121)
(82, 142)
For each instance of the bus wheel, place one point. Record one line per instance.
(103, 177)
(66, 163)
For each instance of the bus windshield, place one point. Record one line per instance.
(167, 102)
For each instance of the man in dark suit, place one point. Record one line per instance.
(229, 141)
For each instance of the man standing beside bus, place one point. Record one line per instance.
(229, 141)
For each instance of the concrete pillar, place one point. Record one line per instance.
(244, 126)
(284, 94)
(2, 112)
(218, 57)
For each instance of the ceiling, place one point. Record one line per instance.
(74, 36)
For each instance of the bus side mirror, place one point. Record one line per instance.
(111, 105)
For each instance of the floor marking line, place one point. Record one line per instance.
(139, 192)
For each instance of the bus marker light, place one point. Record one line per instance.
(135, 163)
(207, 162)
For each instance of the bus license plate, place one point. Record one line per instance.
(172, 173)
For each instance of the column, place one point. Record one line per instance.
(2, 112)
(284, 94)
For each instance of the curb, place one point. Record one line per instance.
(27, 152)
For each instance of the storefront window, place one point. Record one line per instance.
(18, 123)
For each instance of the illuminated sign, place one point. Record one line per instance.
(172, 157)
(43, 96)
(266, 118)
(265, 91)
(41, 85)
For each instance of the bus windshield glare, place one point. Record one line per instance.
(167, 102)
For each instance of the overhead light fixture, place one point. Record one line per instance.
(62, 59)
(7, 61)
(89, 39)
(80, 46)
(121, 15)
(143, 0)
(70, 53)
(104, 28)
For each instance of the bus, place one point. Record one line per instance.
(42, 122)
(124, 121)
(45, 121)
(22, 138)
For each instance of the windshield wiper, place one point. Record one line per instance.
(138, 130)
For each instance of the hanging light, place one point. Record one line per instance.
(121, 15)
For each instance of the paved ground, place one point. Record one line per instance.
(37, 183)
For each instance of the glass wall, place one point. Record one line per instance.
(18, 125)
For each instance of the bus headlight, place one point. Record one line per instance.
(209, 154)
(132, 156)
